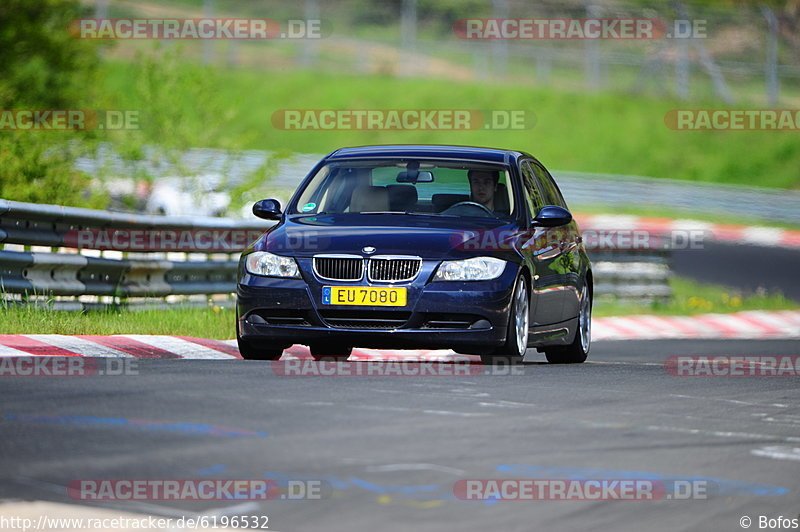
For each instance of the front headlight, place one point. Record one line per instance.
(263, 263)
(475, 269)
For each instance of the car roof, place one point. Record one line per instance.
(428, 151)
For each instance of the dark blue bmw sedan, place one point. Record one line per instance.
(471, 249)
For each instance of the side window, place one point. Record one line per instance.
(552, 195)
(532, 194)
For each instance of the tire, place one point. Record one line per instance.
(330, 351)
(251, 352)
(578, 350)
(516, 344)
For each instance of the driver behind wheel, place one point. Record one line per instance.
(482, 186)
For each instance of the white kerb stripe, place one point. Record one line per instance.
(603, 330)
(608, 222)
(692, 225)
(607, 329)
(789, 316)
(769, 236)
(692, 323)
(741, 328)
(178, 346)
(661, 328)
(789, 322)
(639, 329)
(78, 345)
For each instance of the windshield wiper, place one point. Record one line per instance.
(410, 213)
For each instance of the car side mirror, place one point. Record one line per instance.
(269, 209)
(552, 216)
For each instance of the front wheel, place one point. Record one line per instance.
(578, 350)
(249, 351)
(516, 344)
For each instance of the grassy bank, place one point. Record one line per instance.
(218, 323)
(212, 322)
(689, 297)
(602, 132)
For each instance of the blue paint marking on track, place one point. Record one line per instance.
(211, 470)
(423, 492)
(723, 486)
(283, 479)
(341, 484)
(136, 424)
(384, 489)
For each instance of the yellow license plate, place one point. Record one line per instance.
(364, 295)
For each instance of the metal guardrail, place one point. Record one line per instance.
(776, 205)
(61, 274)
(47, 225)
(58, 269)
(641, 275)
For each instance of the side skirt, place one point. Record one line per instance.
(562, 333)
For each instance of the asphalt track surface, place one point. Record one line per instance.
(744, 267)
(388, 450)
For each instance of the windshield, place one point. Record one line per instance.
(419, 186)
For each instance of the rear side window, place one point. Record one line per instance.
(533, 195)
(552, 194)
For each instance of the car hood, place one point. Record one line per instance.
(429, 237)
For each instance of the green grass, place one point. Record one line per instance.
(219, 322)
(213, 322)
(690, 297)
(604, 132)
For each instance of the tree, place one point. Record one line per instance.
(43, 67)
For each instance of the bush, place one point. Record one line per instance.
(43, 67)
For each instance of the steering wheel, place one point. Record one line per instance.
(470, 204)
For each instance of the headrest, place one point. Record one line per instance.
(402, 197)
(501, 199)
(369, 199)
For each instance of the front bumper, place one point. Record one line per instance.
(439, 315)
